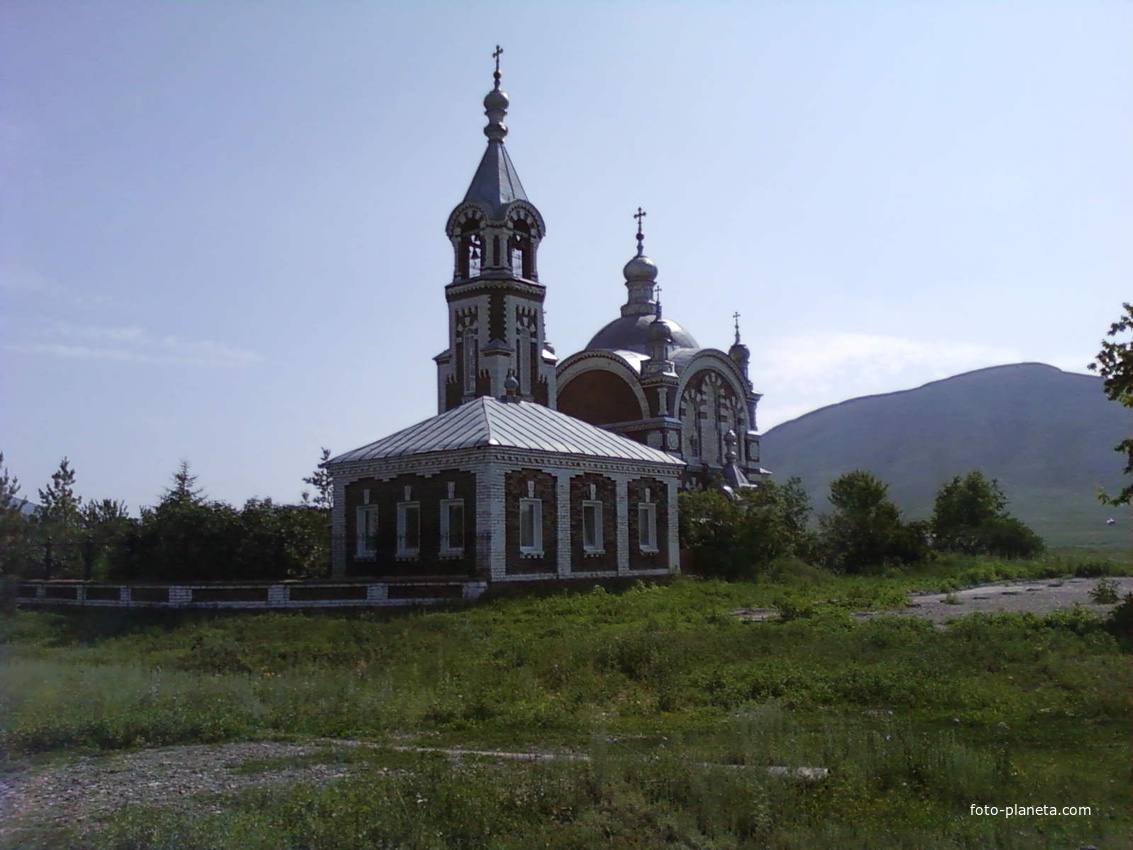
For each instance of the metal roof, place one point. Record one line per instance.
(496, 182)
(520, 425)
(632, 333)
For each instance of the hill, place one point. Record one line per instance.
(1045, 434)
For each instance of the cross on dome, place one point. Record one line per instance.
(496, 56)
(639, 215)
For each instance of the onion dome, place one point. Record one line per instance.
(633, 331)
(659, 330)
(640, 269)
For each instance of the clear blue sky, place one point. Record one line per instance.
(221, 223)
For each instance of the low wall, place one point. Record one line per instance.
(247, 594)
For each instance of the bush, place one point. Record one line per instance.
(1119, 622)
(740, 537)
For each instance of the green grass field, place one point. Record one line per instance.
(679, 706)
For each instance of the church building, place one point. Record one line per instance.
(646, 377)
(501, 485)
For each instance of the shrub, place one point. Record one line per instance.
(1104, 592)
(740, 537)
(1119, 622)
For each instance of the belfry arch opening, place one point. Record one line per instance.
(521, 250)
(470, 248)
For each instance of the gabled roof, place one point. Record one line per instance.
(496, 182)
(520, 425)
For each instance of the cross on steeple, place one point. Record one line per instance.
(496, 56)
(639, 215)
(736, 318)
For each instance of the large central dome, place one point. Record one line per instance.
(631, 333)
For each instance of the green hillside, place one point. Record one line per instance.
(1047, 435)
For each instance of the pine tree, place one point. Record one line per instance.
(324, 488)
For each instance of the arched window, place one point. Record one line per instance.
(520, 256)
(470, 254)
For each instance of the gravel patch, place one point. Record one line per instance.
(1037, 596)
(75, 792)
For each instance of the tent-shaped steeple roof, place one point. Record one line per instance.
(496, 182)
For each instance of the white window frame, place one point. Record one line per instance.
(535, 546)
(365, 546)
(403, 513)
(447, 547)
(594, 546)
(647, 522)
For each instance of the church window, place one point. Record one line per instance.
(452, 526)
(647, 526)
(531, 526)
(366, 531)
(408, 529)
(592, 527)
(517, 252)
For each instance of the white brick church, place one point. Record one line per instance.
(535, 470)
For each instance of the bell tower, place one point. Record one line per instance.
(495, 300)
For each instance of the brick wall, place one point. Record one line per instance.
(585, 488)
(516, 487)
(658, 495)
(428, 491)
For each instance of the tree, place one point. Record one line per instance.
(866, 531)
(281, 541)
(1115, 365)
(183, 491)
(14, 525)
(58, 503)
(58, 521)
(738, 538)
(970, 515)
(107, 525)
(184, 537)
(324, 488)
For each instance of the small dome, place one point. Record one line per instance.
(640, 268)
(496, 99)
(631, 333)
(659, 331)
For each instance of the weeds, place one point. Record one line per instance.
(657, 684)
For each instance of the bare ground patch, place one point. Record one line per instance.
(1034, 596)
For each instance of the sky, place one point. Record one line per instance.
(222, 223)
